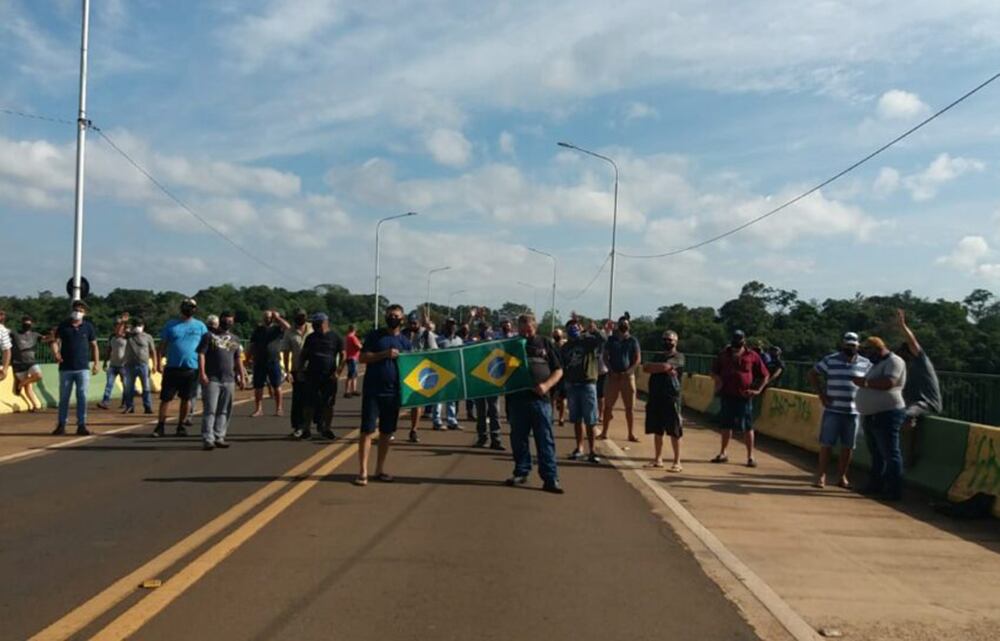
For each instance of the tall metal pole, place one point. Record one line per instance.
(81, 141)
(614, 222)
(378, 265)
(534, 294)
(554, 267)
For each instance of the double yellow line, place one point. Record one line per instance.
(126, 624)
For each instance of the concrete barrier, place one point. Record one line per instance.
(47, 390)
(793, 417)
(981, 468)
(698, 393)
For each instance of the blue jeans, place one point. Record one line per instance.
(531, 414)
(80, 378)
(114, 371)
(140, 371)
(451, 413)
(882, 437)
(582, 401)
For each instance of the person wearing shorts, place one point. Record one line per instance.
(622, 356)
(26, 370)
(580, 356)
(265, 345)
(352, 349)
(837, 392)
(739, 375)
(380, 392)
(180, 339)
(663, 409)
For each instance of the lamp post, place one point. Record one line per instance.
(534, 290)
(450, 297)
(554, 267)
(614, 221)
(81, 141)
(427, 305)
(378, 266)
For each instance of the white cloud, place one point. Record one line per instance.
(640, 110)
(968, 253)
(506, 142)
(901, 105)
(284, 29)
(449, 147)
(887, 182)
(942, 170)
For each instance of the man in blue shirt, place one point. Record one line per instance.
(180, 339)
(380, 392)
(75, 348)
(622, 357)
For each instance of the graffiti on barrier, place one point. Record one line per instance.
(792, 406)
(985, 475)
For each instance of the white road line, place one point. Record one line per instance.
(786, 616)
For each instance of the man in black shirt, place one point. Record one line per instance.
(221, 368)
(663, 409)
(531, 410)
(75, 348)
(323, 360)
(265, 345)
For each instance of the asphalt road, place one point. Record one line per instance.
(445, 552)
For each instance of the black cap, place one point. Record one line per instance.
(413, 318)
(738, 333)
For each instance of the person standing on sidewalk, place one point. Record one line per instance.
(531, 410)
(114, 362)
(322, 362)
(140, 351)
(840, 416)
(352, 348)
(622, 356)
(179, 341)
(75, 349)
(739, 375)
(663, 409)
(265, 343)
(220, 365)
(883, 411)
(380, 402)
(291, 353)
(580, 355)
(26, 369)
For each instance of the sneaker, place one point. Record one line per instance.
(181, 431)
(438, 427)
(148, 410)
(751, 462)
(516, 480)
(497, 445)
(553, 487)
(328, 434)
(593, 458)
(296, 435)
(187, 422)
(104, 405)
(59, 431)
(128, 410)
(82, 430)
(207, 447)
(158, 431)
(576, 455)
(481, 442)
(306, 435)
(413, 437)
(222, 444)
(455, 428)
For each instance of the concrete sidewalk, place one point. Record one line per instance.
(870, 570)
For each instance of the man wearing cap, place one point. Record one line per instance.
(739, 375)
(291, 353)
(220, 364)
(75, 349)
(114, 361)
(179, 341)
(837, 391)
(883, 411)
(323, 360)
(265, 343)
(623, 357)
(580, 355)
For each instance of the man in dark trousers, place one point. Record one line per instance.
(323, 359)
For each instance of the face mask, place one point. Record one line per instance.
(669, 345)
(317, 327)
(137, 329)
(850, 350)
(300, 321)
(392, 322)
(573, 331)
(225, 325)
(25, 327)
(623, 328)
(737, 343)
(76, 315)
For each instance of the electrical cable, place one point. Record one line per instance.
(590, 284)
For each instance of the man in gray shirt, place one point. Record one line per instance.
(880, 403)
(114, 362)
(922, 392)
(140, 350)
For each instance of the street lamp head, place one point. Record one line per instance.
(410, 213)
(567, 145)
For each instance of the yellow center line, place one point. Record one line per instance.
(129, 622)
(89, 611)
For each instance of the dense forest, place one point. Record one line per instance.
(956, 334)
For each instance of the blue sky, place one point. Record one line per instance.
(295, 124)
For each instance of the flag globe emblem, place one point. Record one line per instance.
(428, 378)
(497, 367)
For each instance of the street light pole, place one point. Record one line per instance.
(554, 267)
(427, 305)
(614, 222)
(450, 297)
(81, 141)
(378, 266)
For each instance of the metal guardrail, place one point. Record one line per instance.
(965, 396)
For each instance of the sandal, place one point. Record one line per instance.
(361, 481)
(384, 478)
(844, 484)
(676, 467)
(655, 465)
(721, 458)
(751, 462)
(633, 439)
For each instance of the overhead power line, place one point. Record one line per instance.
(591, 283)
(823, 184)
(191, 211)
(25, 114)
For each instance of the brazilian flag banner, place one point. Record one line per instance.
(490, 368)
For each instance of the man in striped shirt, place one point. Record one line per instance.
(840, 418)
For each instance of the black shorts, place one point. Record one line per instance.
(600, 384)
(736, 413)
(179, 381)
(381, 412)
(663, 416)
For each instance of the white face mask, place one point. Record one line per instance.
(76, 315)
(137, 329)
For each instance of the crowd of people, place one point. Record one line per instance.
(579, 370)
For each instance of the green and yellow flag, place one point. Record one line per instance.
(489, 368)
